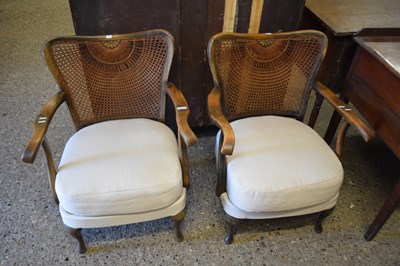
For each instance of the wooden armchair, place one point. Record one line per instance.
(269, 163)
(123, 165)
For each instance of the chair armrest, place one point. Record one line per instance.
(218, 118)
(346, 112)
(182, 114)
(40, 126)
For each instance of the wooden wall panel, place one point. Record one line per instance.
(124, 16)
(277, 15)
(281, 15)
(193, 27)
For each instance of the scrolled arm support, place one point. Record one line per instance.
(226, 142)
(40, 126)
(186, 137)
(218, 118)
(182, 114)
(346, 112)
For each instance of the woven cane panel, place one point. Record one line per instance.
(266, 76)
(112, 79)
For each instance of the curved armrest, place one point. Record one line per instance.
(41, 125)
(345, 111)
(182, 114)
(216, 115)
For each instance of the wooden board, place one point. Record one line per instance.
(347, 17)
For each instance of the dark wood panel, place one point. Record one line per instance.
(281, 15)
(193, 45)
(369, 87)
(243, 17)
(214, 25)
(124, 16)
(277, 15)
(386, 87)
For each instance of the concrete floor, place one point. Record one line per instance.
(32, 233)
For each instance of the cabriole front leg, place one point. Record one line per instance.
(178, 218)
(232, 224)
(77, 234)
(322, 215)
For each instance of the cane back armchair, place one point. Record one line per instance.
(269, 163)
(123, 165)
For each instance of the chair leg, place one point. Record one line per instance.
(76, 233)
(322, 215)
(232, 224)
(178, 218)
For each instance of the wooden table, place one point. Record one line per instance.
(341, 20)
(373, 87)
(372, 83)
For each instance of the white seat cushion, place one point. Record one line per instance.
(119, 167)
(280, 164)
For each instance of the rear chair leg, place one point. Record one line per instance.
(322, 215)
(232, 223)
(178, 218)
(76, 233)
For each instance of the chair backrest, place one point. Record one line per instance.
(112, 77)
(261, 74)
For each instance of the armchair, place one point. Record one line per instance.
(269, 163)
(123, 165)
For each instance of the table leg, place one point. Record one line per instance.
(334, 122)
(333, 125)
(315, 111)
(384, 214)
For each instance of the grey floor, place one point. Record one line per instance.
(31, 231)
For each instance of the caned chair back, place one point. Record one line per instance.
(261, 74)
(112, 77)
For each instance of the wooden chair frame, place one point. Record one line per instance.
(186, 137)
(227, 136)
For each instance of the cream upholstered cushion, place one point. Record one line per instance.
(119, 167)
(280, 164)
